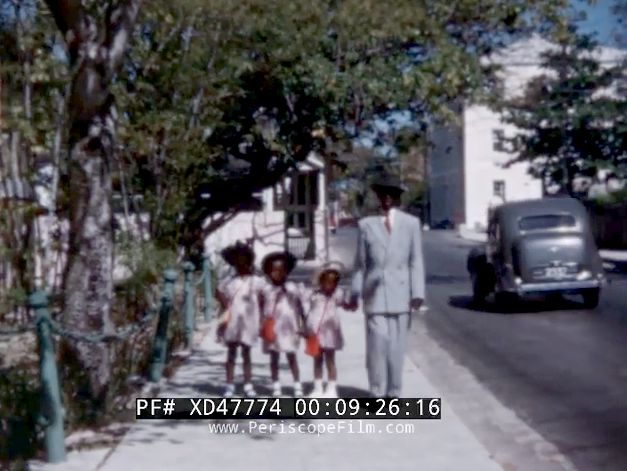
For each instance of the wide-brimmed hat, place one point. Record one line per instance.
(230, 253)
(336, 267)
(387, 183)
(288, 258)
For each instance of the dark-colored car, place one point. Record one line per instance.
(537, 246)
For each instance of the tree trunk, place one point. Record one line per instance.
(88, 282)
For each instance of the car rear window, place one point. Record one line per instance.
(546, 221)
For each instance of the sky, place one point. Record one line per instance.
(600, 20)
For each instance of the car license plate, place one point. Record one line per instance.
(556, 272)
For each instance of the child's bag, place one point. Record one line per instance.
(312, 345)
(268, 332)
(312, 342)
(268, 324)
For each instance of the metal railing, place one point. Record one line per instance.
(52, 411)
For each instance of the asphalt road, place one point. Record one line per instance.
(545, 386)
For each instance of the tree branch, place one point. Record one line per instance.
(67, 14)
(120, 20)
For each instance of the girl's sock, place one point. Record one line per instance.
(331, 390)
(276, 389)
(298, 389)
(229, 390)
(317, 389)
(249, 390)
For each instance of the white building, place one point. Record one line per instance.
(292, 216)
(466, 160)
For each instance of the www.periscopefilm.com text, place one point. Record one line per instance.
(283, 427)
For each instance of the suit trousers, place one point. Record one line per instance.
(386, 342)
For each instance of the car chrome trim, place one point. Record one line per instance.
(559, 286)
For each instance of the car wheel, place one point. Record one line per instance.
(591, 298)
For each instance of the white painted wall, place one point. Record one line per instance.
(484, 165)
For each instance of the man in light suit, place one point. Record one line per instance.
(389, 276)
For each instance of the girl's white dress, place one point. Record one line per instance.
(323, 318)
(243, 294)
(284, 303)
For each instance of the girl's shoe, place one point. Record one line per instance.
(276, 390)
(298, 390)
(229, 391)
(318, 391)
(331, 391)
(249, 390)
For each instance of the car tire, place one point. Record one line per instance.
(591, 298)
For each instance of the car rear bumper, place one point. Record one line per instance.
(558, 286)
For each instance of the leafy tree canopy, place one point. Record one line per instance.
(570, 120)
(220, 98)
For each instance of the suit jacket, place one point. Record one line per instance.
(389, 268)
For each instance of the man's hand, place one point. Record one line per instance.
(352, 304)
(415, 304)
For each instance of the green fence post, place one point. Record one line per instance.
(207, 284)
(52, 408)
(189, 311)
(161, 335)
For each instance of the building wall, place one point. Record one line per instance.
(446, 174)
(480, 163)
(266, 228)
(484, 166)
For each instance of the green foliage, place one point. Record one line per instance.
(19, 406)
(570, 125)
(614, 198)
(221, 98)
(619, 8)
(146, 261)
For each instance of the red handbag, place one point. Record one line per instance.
(312, 346)
(312, 342)
(268, 332)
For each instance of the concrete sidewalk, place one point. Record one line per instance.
(432, 445)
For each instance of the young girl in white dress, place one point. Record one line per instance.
(324, 305)
(283, 304)
(240, 297)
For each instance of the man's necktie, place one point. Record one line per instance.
(387, 222)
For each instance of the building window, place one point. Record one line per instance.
(498, 143)
(498, 189)
(298, 190)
